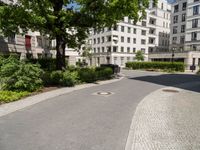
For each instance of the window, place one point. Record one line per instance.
(174, 40)
(122, 49)
(94, 41)
(122, 61)
(143, 32)
(184, 6)
(196, 10)
(194, 36)
(182, 39)
(128, 49)
(134, 49)
(115, 60)
(115, 49)
(28, 41)
(182, 28)
(175, 19)
(134, 31)
(98, 40)
(143, 41)
(11, 38)
(129, 40)
(194, 23)
(134, 40)
(122, 39)
(98, 49)
(94, 50)
(122, 28)
(144, 23)
(115, 28)
(102, 39)
(103, 49)
(183, 17)
(129, 30)
(162, 6)
(175, 30)
(108, 38)
(176, 7)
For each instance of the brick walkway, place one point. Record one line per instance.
(167, 121)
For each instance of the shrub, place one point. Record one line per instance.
(48, 64)
(10, 96)
(19, 76)
(104, 73)
(176, 66)
(87, 75)
(56, 77)
(70, 78)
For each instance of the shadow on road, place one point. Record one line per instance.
(174, 80)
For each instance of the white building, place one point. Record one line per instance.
(185, 34)
(118, 45)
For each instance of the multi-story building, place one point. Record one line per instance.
(32, 44)
(185, 35)
(118, 45)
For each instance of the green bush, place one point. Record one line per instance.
(10, 96)
(70, 78)
(176, 66)
(87, 75)
(47, 64)
(19, 76)
(104, 73)
(56, 77)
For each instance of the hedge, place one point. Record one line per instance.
(47, 64)
(176, 66)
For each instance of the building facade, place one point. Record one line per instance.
(119, 44)
(185, 35)
(30, 45)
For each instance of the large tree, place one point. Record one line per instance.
(67, 21)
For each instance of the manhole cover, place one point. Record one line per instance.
(104, 93)
(170, 91)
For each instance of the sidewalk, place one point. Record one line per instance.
(17, 105)
(167, 121)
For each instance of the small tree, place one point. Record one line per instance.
(139, 56)
(67, 21)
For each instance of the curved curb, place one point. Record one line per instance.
(29, 101)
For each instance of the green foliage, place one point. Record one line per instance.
(19, 76)
(54, 17)
(56, 77)
(139, 56)
(87, 75)
(165, 66)
(104, 73)
(10, 96)
(47, 64)
(70, 78)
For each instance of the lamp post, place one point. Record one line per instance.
(173, 50)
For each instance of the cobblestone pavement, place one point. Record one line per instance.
(167, 121)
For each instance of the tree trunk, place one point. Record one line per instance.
(60, 54)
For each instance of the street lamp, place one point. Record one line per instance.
(173, 50)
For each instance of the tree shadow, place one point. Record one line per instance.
(174, 80)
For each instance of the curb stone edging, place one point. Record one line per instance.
(32, 100)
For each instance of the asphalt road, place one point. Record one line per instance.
(82, 120)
